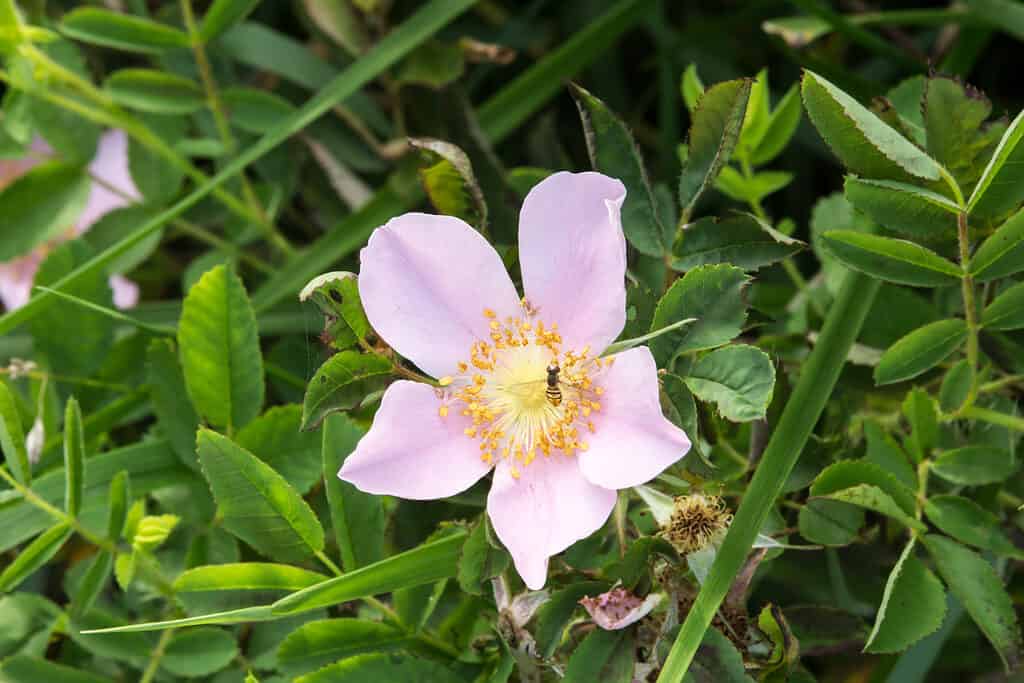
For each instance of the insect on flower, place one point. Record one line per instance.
(522, 386)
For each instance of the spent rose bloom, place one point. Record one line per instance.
(111, 166)
(438, 293)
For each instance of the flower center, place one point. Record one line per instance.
(524, 394)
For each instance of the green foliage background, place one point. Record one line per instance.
(826, 247)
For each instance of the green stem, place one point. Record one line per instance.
(158, 654)
(996, 385)
(220, 120)
(991, 416)
(970, 306)
(32, 498)
(817, 379)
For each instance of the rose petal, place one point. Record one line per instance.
(573, 256)
(618, 608)
(413, 452)
(547, 509)
(425, 281)
(126, 292)
(111, 166)
(633, 441)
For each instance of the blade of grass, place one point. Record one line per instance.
(429, 19)
(498, 117)
(817, 379)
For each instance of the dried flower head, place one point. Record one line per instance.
(696, 521)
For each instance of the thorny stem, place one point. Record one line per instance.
(970, 307)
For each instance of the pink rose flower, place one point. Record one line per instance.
(111, 166)
(438, 293)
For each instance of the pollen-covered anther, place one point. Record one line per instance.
(505, 390)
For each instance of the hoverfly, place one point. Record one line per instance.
(553, 391)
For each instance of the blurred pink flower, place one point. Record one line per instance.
(438, 293)
(111, 166)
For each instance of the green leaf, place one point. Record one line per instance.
(883, 451)
(977, 586)
(74, 458)
(42, 203)
(1002, 253)
(740, 240)
(426, 563)
(358, 518)
(274, 438)
(255, 111)
(175, 415)
(12, 437)
(975, 465)
(343, 383)
(614, 152)
(154, 91)
(605, 656)
(913, 605)
(739, 379)
(554, 615)
(199, 652)
(850, 473)
(337, 296)
(256, 503)
(864, 143)
(714, 129)
(482, 558)
(92, 584)
(921, 412)
(23, 668)
(246, 576)
(319, 643)
(383, 667)
(691, 87)
(341, 22)
(954, 120)
(152, 531)
(781, 127)
(1006, 312)
(999, 190)
(119, 496)
(903, 208)
(448, 178)
(920, 351)
(434, 64)
(969, 523)
(717, 661)
(121, 31)
(891, 259)
(34, 556)
(220, 350)
(222, 15)
(752, 189)
(711, 294)
(875, 499)
(956, 387)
